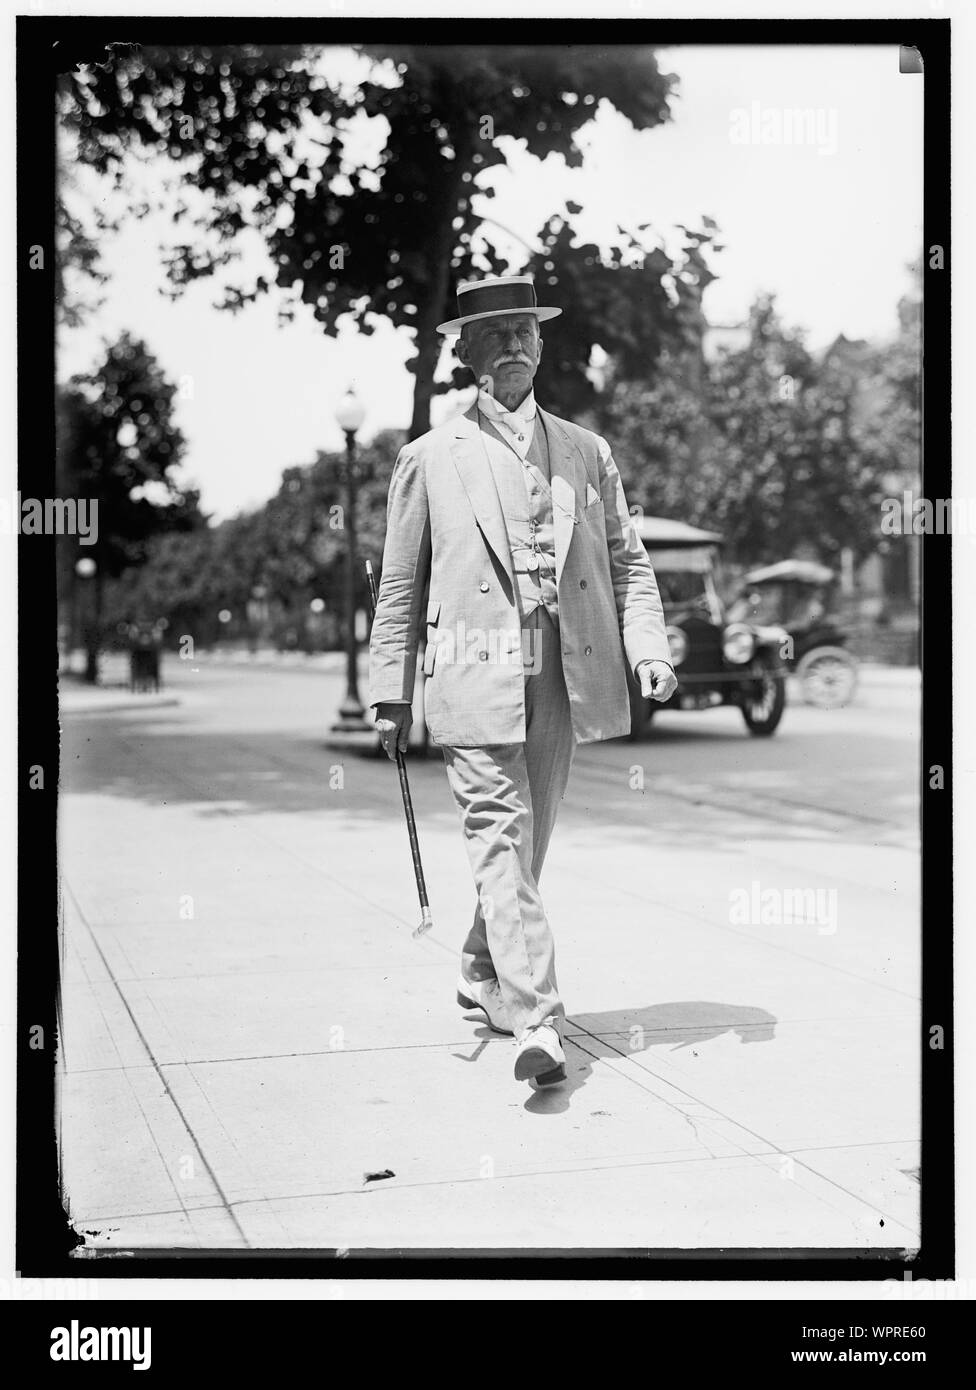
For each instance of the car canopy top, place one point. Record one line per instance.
(662, 531)
(801, 571)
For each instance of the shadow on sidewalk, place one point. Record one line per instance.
(153, 758)
(622, 1033)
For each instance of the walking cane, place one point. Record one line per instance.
(426, 920)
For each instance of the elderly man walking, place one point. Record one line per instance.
(508, 536)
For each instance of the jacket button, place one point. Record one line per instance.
(482, 656)
(587, 651)
(582, 583)
(484, 586)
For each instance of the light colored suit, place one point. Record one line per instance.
(511, 693)
(445, 527)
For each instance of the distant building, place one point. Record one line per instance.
(888, 583)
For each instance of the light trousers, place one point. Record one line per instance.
(508, 796)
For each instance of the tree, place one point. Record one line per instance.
(173, 585)
(887, 416)
(266, 138)
(290, 551)
(632, 305)
(117, 447)
(790, 473)
(763, 446)
(77, 262)
(662, 439)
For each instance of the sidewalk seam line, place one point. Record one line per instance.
(862, 1201)
(165, 1084)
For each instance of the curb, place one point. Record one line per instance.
(116, 706)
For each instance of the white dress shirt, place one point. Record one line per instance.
(515, 426)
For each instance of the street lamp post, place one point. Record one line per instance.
(86, 569)
(349, 417)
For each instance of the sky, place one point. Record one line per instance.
(827, 218)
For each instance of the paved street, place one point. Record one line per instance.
(252, 1034)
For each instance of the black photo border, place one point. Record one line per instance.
(50, 44)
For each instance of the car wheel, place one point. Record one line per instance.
(828, 677)
(763, 709)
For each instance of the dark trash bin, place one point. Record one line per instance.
(143, 665)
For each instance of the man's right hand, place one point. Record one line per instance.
(393, 726)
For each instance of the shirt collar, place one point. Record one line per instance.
(494, 409)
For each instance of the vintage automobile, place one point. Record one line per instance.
(718, 661)
(802, 596)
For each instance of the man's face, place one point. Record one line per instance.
(503, 353)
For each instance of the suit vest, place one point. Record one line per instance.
(526, 498)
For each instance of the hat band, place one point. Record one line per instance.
(498, 299)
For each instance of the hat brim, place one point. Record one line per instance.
(455, 325)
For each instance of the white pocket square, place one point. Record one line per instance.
(591, 495)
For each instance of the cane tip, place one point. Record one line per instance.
(426, 922)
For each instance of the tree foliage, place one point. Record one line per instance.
(290, 551)
(118, 446)
(767, 443)
(632, 304)
(265, 136)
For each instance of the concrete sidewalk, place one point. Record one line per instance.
(252, 1035)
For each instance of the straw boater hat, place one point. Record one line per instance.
(486, 299)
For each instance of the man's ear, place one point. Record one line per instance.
(461, 352)
(538, 348)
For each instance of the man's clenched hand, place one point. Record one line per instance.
(657, 680)
(393, 726)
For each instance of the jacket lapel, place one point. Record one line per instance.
(564, 467)
(471, 461)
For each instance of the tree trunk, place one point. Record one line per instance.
(428, 354)
(429, 341)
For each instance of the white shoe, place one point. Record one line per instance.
(540, 1056)
(487, 996)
